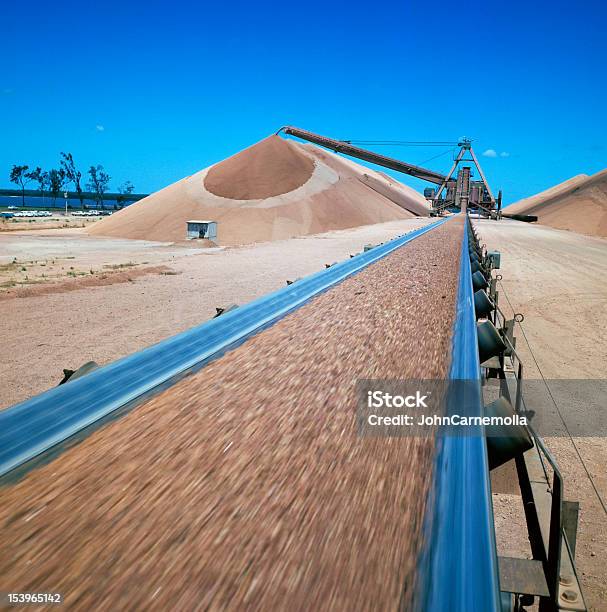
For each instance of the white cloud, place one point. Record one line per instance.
(490, 153)
(100, 128)
(504, 154)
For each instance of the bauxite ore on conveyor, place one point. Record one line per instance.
(245, 484)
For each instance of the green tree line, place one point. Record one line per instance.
(57, 180)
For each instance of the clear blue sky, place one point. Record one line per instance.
(157, 90)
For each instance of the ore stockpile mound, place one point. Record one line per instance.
(274, 190)
(270, 168)
(579, 205)
(246, 485)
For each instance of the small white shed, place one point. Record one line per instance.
(202, 229)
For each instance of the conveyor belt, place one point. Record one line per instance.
(37, 425)
(245, 504)
(460, 570)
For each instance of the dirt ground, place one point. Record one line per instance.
(33, 262)
(556, 278)
(45, 331)
(17, 224)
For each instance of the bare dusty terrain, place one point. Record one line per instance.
(18, 224)
(556, 278)
(55, 261)
(45, 331)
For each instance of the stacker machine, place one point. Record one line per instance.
(454, 192)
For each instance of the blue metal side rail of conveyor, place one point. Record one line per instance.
(33, 427)
(461, 567)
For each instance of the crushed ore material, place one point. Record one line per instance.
(245, 484)
(271, 167)
(578, 205)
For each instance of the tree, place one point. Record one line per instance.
(20, 176)
(125, 190)
(98, 183)
(40, 177)
(56, 179)
(72, 174)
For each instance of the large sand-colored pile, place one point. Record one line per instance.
(579, 205)
(248, 175)
(274, 190)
